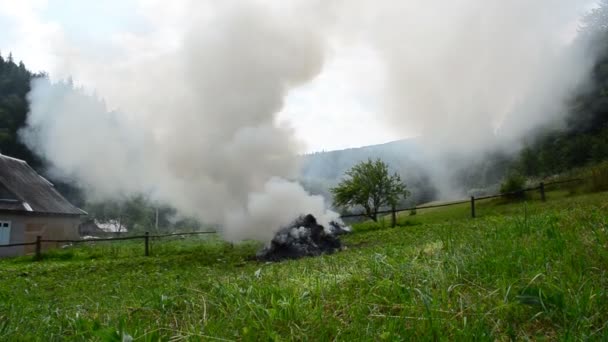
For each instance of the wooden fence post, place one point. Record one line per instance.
(38, 247)
(542, 192)
(393, 217)
(473, 206)
(147, 243)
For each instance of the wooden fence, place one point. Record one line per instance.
(540, 188)
(146, 237)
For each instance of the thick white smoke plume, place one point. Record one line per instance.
(200, 133)
(195, 122)
(471, 76)
(464, 73)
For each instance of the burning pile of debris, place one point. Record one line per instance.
(304, 237)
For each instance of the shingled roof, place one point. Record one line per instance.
(23, 190)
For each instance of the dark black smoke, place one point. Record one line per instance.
(304, 237)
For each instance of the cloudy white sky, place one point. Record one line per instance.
(71, 38)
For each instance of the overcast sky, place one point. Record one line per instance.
(335, 111)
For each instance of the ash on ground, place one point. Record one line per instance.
(304, 237)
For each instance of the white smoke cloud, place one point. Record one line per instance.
(471, 76)
(201, 131)
(467, 73)
(194, 118)
(263, 212)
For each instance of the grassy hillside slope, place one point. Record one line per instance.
(523, 270)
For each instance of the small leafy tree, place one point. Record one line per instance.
(370, 186)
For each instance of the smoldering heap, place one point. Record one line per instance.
(304, 237)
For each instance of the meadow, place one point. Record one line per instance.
(525, 270)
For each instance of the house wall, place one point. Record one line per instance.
(26, 228)
(16, 235)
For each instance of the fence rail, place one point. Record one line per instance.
(19, 244)
(540, 187)
(146, 237)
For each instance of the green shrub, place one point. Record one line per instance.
(513, 186)
(598, 177)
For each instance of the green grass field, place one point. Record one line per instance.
(525, 270)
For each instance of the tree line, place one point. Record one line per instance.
(14, 86)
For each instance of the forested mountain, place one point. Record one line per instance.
(584, 139)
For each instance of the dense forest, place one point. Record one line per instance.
(583, 140)
(14, 87)
(580, 141)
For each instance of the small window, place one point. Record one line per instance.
(5, 232)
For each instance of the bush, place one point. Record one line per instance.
(513, 186)
(599, 177)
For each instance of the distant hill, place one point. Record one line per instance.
(322, 170)
(332, 165)
(439, 176)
